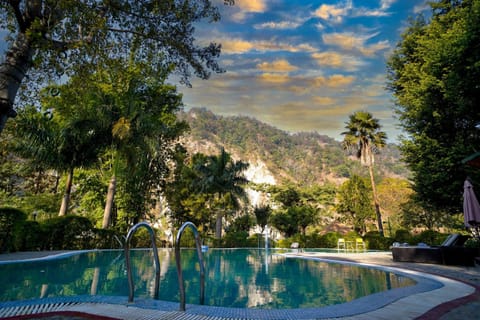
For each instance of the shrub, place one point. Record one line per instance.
(236, 239)
(403, 236)
(68, 233)
(376, 242)
(329, 240)
(11, 223)
(430, 237)
(31, 236)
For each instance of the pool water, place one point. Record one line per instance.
(240, 278)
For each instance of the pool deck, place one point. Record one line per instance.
(459, 298)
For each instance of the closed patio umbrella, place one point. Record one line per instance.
(471, 208)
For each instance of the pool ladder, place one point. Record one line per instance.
(181, 283)
(128, 264)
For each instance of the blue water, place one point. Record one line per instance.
(242, 278)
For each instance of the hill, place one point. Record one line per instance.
(277, 156)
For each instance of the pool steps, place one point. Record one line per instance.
(181, 283)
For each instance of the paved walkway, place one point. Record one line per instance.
(467, 306)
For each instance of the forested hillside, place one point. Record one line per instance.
(305, 158)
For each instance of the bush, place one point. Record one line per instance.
(403, 236)
(11, 223)
(430, 237)
(105, 239)
(330, 239)
(31, 236)
(68, 233)
(376, 242)
(236, 239)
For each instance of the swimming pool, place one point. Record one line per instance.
(238, 278)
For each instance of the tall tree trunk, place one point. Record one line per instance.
(12, 72)
(218, 225)
(107, 213)
(66, 196)
(375, 201)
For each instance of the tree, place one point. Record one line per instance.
(185, 200)
(355, 202)
(433, 74)
(223, 178)
(262, 215)
(365, 138)
(60, 141)
(53, 38)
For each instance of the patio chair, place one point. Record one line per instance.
(359, 244)
(341, 244)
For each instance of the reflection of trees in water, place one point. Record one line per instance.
(236, 278)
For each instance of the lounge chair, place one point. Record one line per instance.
(450, 252)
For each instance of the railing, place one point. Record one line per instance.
(127, 259)
(181, 283)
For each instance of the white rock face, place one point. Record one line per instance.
(258, 172)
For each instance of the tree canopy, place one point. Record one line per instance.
(54, 38)
(433, 74)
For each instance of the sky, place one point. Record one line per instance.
(303, 65)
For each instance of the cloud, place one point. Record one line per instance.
(350, 42)
(338, 60)
(386, 4)
(251, 5)
(280, 65)
(333, 13)
(248, 6)
(234, 46)
(274, 77)
(324, 100)
(334, 81)
(283, 25)
(347, 41)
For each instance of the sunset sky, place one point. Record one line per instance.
(303, 65)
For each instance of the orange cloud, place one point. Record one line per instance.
(232, 46)
(324, 100)
(274, 77)
(337, 60)
(280, 65)
(334, 81)
(251, 5)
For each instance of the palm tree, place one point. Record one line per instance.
(363, 135)
(222, 177)
(60, 143)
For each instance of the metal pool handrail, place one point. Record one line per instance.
(198, 244)
(127, 259)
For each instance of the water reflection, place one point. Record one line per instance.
(235, 278)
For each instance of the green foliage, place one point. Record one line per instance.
(11, 224)
(68, 233)
(472, 243)
(304, 158)
(242, 223)
(416, 213)
(355, 203)
(77, 37)
(430, 237)
(364, 138)
(239, 239)
(433, 75)
(403, 236)
(262, 215)
(377, 242)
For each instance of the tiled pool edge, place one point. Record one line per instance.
(433, 291)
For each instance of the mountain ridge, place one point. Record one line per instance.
(279, 157)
